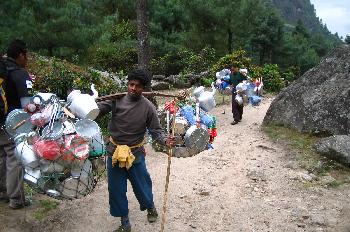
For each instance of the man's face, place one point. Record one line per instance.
(235, 69)
(135, 88)
(22, 59)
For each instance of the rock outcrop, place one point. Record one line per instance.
(319, 101)
(335, 147)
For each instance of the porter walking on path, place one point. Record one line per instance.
(235, 78)
(132, 116)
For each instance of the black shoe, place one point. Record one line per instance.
(123, 229)
(234, 123)
(152, 215)
(17, 205)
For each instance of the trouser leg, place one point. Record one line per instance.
(117, 188)
(235, 109)
(14, 170)
(2, 169)
(142, 184)
(240, 109)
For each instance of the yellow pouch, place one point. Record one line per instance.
(123, 155)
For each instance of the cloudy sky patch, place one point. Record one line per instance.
(335, 14)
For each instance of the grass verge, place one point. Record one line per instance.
(45, 206)
(302, 146)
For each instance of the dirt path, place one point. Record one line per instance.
(247, 183)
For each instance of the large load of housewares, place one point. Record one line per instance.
(58, 143)
(62, 148)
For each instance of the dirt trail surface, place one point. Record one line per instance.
(247, 183)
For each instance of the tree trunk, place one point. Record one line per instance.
(143, 55)
(142, 10)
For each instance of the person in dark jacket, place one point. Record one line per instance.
(132, 116)
(18, 86)
(235, 78)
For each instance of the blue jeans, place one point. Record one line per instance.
(117, 186)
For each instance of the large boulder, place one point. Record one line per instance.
(335, 147)
(178, 82)
(319, 101)
(159, 85)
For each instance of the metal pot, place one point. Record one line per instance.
(53, 132)
(80, 184)
(196, 139)
(50, 167)
(87, 128)
(17, 122)
(181, 125)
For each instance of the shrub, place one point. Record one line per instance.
(59, 77)
(114, 56)
(272, 79)
(237, 57)
(183, 61)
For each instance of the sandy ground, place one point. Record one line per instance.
(247, 183)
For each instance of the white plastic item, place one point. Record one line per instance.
(24, 152)
(32, 175)
(207, 100)
(239, 99)
(198, 91)
(39, 97)
(241, 87)
(83, 105)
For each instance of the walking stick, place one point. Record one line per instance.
(165, 196)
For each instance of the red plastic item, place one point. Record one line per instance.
(75, 147)
(170, 106)
(47, 149)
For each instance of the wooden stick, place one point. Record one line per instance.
(19, 124)
(165, 197)
(68, 113)
(118, 95)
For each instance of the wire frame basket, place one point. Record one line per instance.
(66, 174)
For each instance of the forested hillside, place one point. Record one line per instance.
(186, 36)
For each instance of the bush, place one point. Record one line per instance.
(60, 77)
(237, 57)
(271, 76)
(117, 57)
(290, 74)
(197, 63)
(183, 61)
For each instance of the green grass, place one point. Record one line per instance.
(29, 191)
(221, 100)
(302, 146)
(45, 206)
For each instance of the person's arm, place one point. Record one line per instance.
(105, 107)
(154, 127)
(23, 85)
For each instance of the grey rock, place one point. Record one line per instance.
(335, 147)
(291, 165)
(327, 179)
(159, 85)
(319, 101)
(158, 77)
(318, 219)
(178, 81)
(256, 175)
